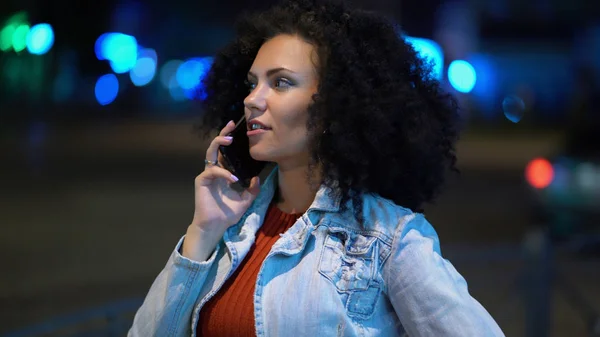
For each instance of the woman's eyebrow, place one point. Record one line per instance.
(271, 71)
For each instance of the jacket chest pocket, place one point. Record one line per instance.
(350, 261)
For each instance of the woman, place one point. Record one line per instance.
(332, 242)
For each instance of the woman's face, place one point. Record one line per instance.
(282, 81)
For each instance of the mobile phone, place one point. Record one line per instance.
(237, 155)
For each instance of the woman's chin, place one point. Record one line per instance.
(259, 155)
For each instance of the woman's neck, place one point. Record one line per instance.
(294, 194)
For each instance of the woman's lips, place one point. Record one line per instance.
(257, 132)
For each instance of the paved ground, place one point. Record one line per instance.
(91, 216)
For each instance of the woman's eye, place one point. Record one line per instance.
(282, 83)
(249, 85)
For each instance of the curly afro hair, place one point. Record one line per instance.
(379, 123)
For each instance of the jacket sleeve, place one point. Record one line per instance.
(168, 306)
(429, 296)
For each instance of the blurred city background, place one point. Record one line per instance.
(98, 156)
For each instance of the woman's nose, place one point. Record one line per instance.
(256, 99)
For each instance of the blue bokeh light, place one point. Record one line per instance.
(177, 93)
(430, 51)
(107, 88)
(190, 74)
(40, 39)
(514, 108)
(120, 49)
(462, 76)
(143, 72)
(486, 93)
(168, 71)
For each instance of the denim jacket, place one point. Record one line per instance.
(326, 276)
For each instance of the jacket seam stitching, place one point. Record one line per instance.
(188, 285)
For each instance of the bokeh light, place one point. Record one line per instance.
(431, 51)
(145, 67)
(149, 53)
(177, 93)
(462, 76)
(14, 29)
(485, 91)
(167, 73)
(539, 173)
(586, 176)
(190, 74)
(6, 36)
(514, 108)
(561, 178)
(143, 72)
(107, 88)
(119, 49)
(40, 39)
(19, 38)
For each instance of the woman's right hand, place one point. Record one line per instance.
(217, 205)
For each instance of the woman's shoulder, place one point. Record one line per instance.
(407, 225)
(382, 215)
(409, 233)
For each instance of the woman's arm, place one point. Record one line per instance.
(168, 307)
(429, 296)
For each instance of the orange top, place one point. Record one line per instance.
(231, 311)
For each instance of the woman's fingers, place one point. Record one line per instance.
(221, 160)
(213, 172)
(222, 139)
(212, 153)
(227, 129)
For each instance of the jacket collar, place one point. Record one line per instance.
(325, 200)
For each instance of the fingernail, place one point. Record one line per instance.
(228, 137)
(234, 178)
(230, 122)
